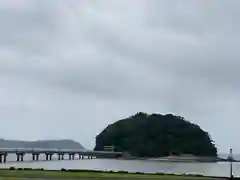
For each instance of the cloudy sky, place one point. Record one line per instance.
(68, 68)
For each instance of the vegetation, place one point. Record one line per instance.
(84, 174)
(156, 135)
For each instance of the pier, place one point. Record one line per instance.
(61, 153)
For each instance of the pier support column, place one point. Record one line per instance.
(46, 157)
(33, 157)
(22, 155)
(50, 157)
(18, 157)
(4, 158)
(60, 156)
(70, 156)
(37, 157)
(73, 156)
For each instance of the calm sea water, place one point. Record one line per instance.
(212, 169)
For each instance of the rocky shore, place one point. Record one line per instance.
(188, 158)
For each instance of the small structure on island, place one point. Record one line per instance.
(109, 148)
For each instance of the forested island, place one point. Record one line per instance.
(156, 135)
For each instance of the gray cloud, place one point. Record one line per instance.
(69, 64)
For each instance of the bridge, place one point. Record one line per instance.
(82, 153)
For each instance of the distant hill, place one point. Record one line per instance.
(44, 144)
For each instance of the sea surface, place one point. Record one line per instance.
(210, 169)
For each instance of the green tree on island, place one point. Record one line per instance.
(156, 135)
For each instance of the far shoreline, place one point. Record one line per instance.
(181, 158)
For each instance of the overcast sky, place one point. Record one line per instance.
(70, 67)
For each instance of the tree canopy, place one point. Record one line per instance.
(156, 135)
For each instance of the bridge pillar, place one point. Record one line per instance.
(46, 156)
(33, 157)
(21, 157)
(60, 156)
(18, 157)
(4, 158)
(70, 156)
(37, 157)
